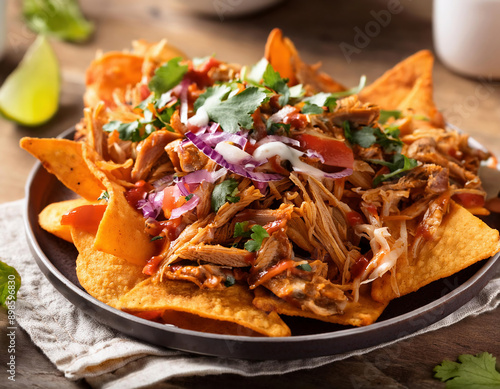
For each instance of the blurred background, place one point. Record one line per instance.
(348, 38)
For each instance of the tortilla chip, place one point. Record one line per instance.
(63, 158)
(122, 228)
(103, 276)
(279, 53)
(392, 88)
(50, 218)
(465, 240)
(111, 74)
(284, 58)
(361, 313)
(232, 304)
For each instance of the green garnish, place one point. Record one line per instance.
(59, 18)
(311, 109)
(273, 80)
(10, 282)
(157, 238)
(167, 76)
(386, 115)
(257, 233)
(400, 164)
(368, 136)
(240, 229)
(278, 128)
(188, 197)
(231, 112)
(471, 372)
(104, 196)
(224, 192)
(305, 267)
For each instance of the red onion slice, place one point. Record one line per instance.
(188, 206)
(216, 157)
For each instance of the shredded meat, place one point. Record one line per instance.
(149, 151)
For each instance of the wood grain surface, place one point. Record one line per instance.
(317, 28)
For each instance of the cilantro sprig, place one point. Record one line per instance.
(257, 233)
(399, 165)
(386, 115)
(231, 111)
(273, 80)
(167, 76)
(470, 372)
(368, 136)
(224, 192)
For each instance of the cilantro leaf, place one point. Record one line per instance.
(311, 109)
(367, 136)
(61, 19)
(240, 229)
(273, 80)
(224, 192)
(400, 164)
(158, 237)
(212, 96)
(258, 235)
(10, 282)
(104, 196)
(167, 76)
(386, 115)
(471, 372)
(235, 112)
(364, 137)
(126, 131)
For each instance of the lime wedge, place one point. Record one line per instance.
(30, 95)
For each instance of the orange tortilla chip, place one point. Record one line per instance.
(122, 230)
(232, 304)
(64, 159)
(361, 313)
(103, 276)
(50, 218)
(465, 240)
(420, 101)
(284, 58)
(392, 88)
(111, 73)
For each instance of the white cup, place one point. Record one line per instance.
(467, 36)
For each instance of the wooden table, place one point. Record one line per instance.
(317, 28)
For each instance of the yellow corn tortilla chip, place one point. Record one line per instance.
(361, 313)
(63, 158)
(122, 229)
(465, 240)
(104, 276)
(233, 304)
(50, 218)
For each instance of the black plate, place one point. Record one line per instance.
(405, 315)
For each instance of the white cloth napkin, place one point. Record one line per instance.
(81, 347)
